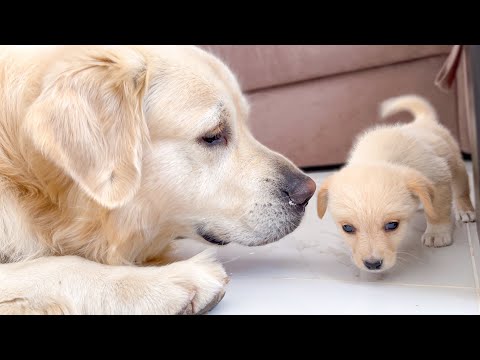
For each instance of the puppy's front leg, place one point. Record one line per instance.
(439, 224)
(73, 285)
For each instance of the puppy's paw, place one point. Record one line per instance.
(465, 216)
(438, 235)
(206, 278)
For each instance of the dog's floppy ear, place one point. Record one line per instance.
(423, 188)
(88, 119)
(322, 197)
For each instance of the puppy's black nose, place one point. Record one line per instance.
(301, 189)
(373, 264)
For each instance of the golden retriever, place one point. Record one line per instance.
(389, 170)
(110, 153)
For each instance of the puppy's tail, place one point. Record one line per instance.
(421, 109)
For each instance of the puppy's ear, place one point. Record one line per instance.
(423, 188)
(89, 120)
(322, 197)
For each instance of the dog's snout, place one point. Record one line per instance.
(300, 189)
(373, 264)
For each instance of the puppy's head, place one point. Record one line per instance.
(372, 206)
(159, 136)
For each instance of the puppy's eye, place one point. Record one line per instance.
(216, 139)
(348, 229)
(392, 225)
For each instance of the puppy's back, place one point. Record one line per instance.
(423, 144)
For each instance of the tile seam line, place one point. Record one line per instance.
(366, 282)
(474, 267)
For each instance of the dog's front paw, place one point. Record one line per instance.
(438, 235)
(466, 216)
(206, 278)
(21, 306)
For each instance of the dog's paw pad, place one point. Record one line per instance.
(208, 279)
(466, 216)
(212, 303)
(437, 239)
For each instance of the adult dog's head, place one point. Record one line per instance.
(159, 134)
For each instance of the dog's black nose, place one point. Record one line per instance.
(373, 264)
(300, 189)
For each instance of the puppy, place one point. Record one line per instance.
(392, 168)
(108, 154)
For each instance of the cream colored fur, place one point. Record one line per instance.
(390, 169)
(103, 164)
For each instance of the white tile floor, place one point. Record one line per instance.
(310, 272)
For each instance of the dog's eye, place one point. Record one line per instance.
(391, 226)
(216, 139)
(348, 229)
